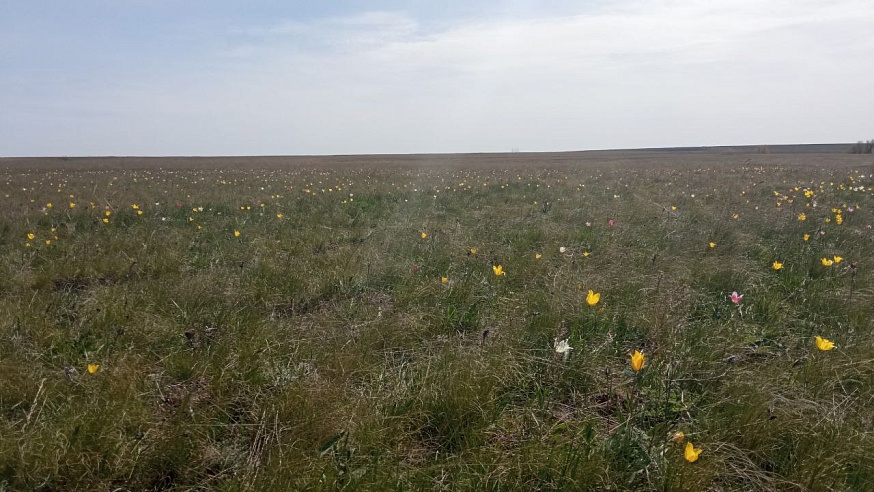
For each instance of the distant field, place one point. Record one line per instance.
(401, 322)
(589, 159)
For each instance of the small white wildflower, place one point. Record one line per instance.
(562, 347)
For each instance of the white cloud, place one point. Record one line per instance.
(631, 74)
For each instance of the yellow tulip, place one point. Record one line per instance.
(236, 233)
(777, 265)
(92, 368)
(637, 360)
(424, 235)
(838, 259)
(807, 237)
(444, 280)
(823, 344)
(473, 251)
(592, 298)
(691, 454)
(31, 236)
(499, 270)
(537, 256)
(827, 262)
(712, 245)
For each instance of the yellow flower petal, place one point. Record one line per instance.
(824, 344)
(592, 298)
(638, 360)
(691, 454)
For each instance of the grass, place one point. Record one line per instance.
(322, 350)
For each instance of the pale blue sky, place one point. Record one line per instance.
(198, 77)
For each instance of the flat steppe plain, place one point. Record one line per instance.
(396, 322)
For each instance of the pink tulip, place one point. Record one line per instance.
(610, 222)
(736, 298)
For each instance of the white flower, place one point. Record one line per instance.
(562, 347)
(562, 249)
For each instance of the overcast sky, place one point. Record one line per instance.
(256, 77)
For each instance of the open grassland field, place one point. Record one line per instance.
(402, 323)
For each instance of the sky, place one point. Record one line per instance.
(271, 77)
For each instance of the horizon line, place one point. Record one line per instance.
(674, 148)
